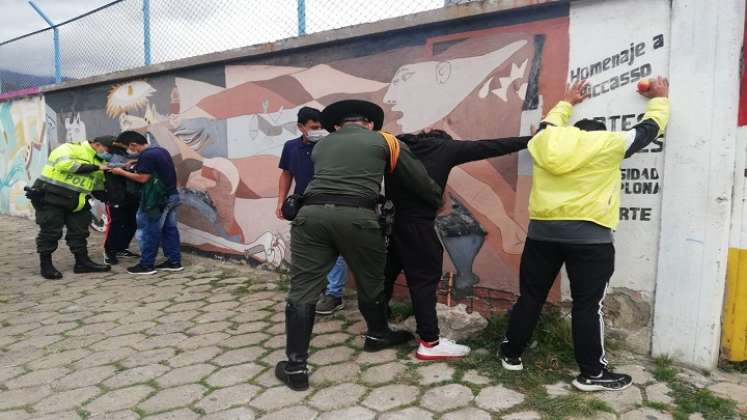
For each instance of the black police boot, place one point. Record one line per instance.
(299, 321)
(48, 271)
(83, 264)
(379, 336)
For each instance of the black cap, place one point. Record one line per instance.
(335, 113)
(107, 141)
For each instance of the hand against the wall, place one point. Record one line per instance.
(659, 88)
(575, 93)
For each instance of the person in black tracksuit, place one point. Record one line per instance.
(122, 202)
(415, 246)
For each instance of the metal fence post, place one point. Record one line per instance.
(301, 17)
(56, 34)
(146, 31)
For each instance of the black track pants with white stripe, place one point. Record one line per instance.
(589, 268)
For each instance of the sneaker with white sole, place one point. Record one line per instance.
(509, 363)
(139, 270)
(169, 266)
(606, 381)
(443, 349)
(512, 363)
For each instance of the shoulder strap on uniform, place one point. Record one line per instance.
(393, 145)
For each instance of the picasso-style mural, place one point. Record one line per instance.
(225, 126)
(23, 151)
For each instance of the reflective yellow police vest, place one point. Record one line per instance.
(62, 164)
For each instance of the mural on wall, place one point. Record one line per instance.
(225, 127)
(23, 150)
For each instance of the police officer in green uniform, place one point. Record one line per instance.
(73, 172)
(339, 217)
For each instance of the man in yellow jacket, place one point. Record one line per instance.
(60, 198)
(574, 207)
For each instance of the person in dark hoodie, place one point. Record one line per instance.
(414, 246)
(122, 202)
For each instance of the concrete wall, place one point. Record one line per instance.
(481, 70)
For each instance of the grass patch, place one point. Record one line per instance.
(240, 291)
(548, 360)
(657, 406)
(739, 367)
(400, 311)
(572, 405)
(689, 399)
(664, 371)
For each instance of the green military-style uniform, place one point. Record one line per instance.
(349, 162)
(339, 217)
(60, 198)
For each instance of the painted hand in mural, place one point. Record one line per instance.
(577, 92)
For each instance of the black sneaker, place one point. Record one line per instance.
(296, 380)
(391, 339)
(328, 305)
(141, 271)
(169, 266)
(509, 363)
(606, 381)
(512, 363)
(127, 254)
(111, 258)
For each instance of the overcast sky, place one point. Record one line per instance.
(112, 39)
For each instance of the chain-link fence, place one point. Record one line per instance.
(130, 33)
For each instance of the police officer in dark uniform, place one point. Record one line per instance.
(339, 217)
(60, 195)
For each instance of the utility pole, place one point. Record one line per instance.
(56, 34)
(146, 31)
(301, 17)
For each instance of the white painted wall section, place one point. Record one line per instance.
(706, 40)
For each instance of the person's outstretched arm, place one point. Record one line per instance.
(463, 151)
(654, 120)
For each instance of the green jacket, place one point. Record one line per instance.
(353, 160)
(73, 166)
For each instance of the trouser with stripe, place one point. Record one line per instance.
(589, 268)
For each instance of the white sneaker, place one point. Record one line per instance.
(445, 349)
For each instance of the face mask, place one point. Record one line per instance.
(104, 156)
(132, 155)
(316, 135)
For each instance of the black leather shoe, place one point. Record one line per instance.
(295, 379)
(83, 264)
(48, 271)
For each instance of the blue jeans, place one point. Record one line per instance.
(159, 230)
(336, 278)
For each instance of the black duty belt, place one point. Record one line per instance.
(340, 200)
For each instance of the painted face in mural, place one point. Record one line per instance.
(426, 92)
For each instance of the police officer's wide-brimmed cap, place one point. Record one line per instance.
(336, 113)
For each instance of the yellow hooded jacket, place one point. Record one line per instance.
(576, 174)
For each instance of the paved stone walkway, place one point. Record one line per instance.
(203, 343)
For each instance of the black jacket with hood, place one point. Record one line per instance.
(439, 153)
